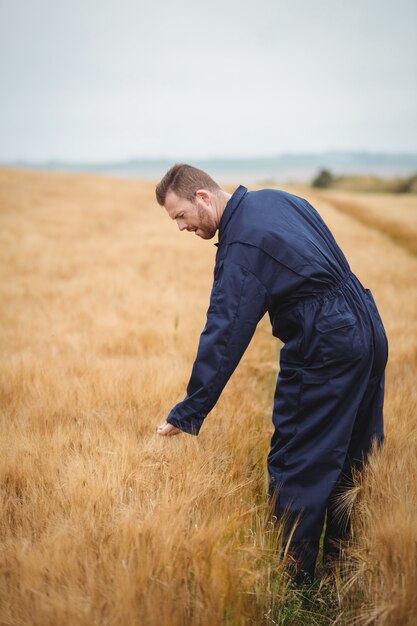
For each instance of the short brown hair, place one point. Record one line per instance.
(184, 180)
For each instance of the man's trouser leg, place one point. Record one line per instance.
(314, 416)
(369, 427)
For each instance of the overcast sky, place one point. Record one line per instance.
(88, 80)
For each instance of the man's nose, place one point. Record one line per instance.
(182, 226)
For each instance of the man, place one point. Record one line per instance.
(276, 254)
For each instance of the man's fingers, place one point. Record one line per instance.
(168, 430)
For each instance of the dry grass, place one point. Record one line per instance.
(104, 522)
(365, 183)
(392, 214)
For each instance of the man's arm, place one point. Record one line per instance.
(238, 301)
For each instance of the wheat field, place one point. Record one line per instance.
(103, 521)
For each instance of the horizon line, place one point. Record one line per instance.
(178, 159)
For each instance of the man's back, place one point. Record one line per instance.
(283, 241)
(294, 251)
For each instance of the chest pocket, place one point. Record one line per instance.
(338, 338)
(216, 280)
(217, 271)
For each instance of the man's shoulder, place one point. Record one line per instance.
(263, 215)
(270, 220)
(272, 194)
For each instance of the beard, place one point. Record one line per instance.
(207, 226)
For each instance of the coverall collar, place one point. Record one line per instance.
(230, 208)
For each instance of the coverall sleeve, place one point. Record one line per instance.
(238, 301)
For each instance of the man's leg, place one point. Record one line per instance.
(369, 426)
(307, 456)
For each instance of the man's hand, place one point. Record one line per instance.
(168, 430)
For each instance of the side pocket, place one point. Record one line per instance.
(373, 306)
(338, 338)
(334, 322)
(377, 316)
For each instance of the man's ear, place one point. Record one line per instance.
(204, 195)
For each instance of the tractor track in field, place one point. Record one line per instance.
(396, 231)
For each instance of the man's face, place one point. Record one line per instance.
(197, 216)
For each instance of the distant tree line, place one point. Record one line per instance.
(325, 179)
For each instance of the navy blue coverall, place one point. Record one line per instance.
(275, 253)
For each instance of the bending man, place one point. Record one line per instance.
(275, 254)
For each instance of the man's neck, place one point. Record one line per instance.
(221, 201)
